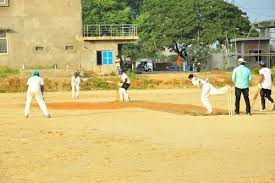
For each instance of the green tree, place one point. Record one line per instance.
(106, 12)
(163, 23)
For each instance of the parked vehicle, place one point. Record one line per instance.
(145, 64)
(139, 69)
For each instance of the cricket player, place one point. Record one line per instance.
(265, 84)
(207, 90)
(36, 89)
(124, 83)
(75, 81)
(117, 62)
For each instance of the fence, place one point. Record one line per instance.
(114, 30)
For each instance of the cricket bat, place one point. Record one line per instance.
(255, 98)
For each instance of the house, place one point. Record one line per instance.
(47, 33)
(255, 49)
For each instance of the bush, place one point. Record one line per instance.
(99, 83)
(255, 70)
(273, 71)
(131, 75)
(4, 71)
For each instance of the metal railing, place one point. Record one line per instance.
(113, 30)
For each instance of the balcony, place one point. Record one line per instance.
(120, 33)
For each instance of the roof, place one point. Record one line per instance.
(264, 24)
(250, 39)
(4, 29)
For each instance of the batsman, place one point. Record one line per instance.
(125, 84)
(265, 85)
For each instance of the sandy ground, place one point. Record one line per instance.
(134, 143)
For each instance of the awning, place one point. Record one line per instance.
(4, 29)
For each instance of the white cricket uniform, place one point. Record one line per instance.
(267, 82)
(34, 90)
(122, 91)
(207, 90)
(75, 86)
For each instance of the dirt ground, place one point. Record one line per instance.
(162, 136)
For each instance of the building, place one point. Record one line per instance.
(48, 33)
(255, 49)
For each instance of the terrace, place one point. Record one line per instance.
(122, 33)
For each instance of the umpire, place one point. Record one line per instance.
(241, 77)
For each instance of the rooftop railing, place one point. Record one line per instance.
(114, 30)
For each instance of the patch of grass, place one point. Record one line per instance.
(4, 71)
(131, 75)
(99, 83)
(40, 67)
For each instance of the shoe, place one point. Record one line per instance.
(262, 110)
(273, 106)
(248, 113)
(26, 115)
(48, 116)
(236, 114)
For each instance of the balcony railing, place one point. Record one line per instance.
(123, 30)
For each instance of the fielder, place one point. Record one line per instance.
(207, 90)
(36, 89)
(124, 83)
(75, 81)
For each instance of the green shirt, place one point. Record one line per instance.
(241, 77)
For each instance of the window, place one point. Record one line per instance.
(98, 58)
(3, 42)
(4, 2)
(107, 57)
(104, 57)
(69, 47)
(39, 48)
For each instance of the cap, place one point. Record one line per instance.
(36, 73)
(241, 60)
(262, 63)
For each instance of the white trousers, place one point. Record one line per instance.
(40, 100)
(123, 95)
(207, 90)
(75, 91)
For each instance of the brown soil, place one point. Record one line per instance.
(155, 106)
(134, 145)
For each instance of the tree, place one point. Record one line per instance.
(164, 22)
(106, 12)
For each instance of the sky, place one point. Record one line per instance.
(258, 10)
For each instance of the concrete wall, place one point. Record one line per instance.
(221, 61)
(50, 24)
(89, 57)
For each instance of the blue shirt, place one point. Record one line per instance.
(241, 77)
